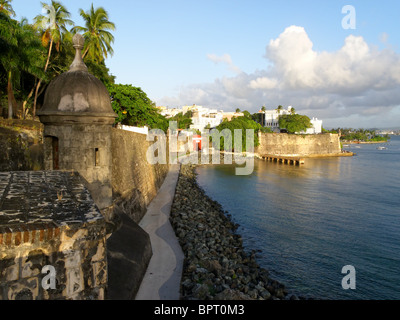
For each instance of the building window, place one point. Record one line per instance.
(55, 151)
(96, 157)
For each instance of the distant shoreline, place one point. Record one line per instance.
(363, 142)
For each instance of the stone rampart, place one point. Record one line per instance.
(135, 181)
(298, 145)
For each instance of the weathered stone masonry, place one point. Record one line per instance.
(304, 145)
(78, 117)
(49, 218)
(135, 181)
(86, 148)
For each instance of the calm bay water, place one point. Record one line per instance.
(312, 220)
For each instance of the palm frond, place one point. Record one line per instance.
(98, 38)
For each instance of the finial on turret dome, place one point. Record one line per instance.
(78, 64)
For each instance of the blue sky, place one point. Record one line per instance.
(246, 54)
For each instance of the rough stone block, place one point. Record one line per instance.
(62, 232)
(27, 289)
(9, 268)
(100, 273)
(72, 259)
(75, 283)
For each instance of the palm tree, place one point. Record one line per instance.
(19, 51)
(293, 111)
(5, 7)
(279, 109)
(53, 26)
(237, 110)
(98, 38)
(263, 109)
(36, 56)
(8, 43)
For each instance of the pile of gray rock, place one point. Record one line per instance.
(217, 267)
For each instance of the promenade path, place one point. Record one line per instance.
(163, 275)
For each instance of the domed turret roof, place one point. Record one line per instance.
(77, 92)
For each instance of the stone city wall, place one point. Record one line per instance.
(21, 145)
(135, 181)
(303, 145)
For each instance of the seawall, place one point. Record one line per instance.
(299, 145)
(135, 181)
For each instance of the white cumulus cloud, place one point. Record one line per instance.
(263, 83)
(357, 79)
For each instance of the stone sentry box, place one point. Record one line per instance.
(53, 218)
(48, 218)
(78, 118)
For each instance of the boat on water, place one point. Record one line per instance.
(381, 148)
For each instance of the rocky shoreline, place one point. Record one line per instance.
(216, 266)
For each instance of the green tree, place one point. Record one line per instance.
(134, 107)
(258, 117)
(263, 109)
(53, 26)
(361, 135)
(294, 123)
(242, 123)
(100, 71)
(61, 62)
(6, 8)
(184, 120)
(279, 109)
(237, 110)
(98, 38)
(293, 111)
(247, 114)
(19, 53)
(34, 73)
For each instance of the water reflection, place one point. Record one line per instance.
(327, 167)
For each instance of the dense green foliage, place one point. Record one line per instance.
(98, 38)
(134, 108)
(20, 61)
(241, 123)
(31, 55)
(6, 8)
(183, 120)
(294, 123)
(365, 135)
(380, 138)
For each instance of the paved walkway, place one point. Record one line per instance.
(163, 275)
